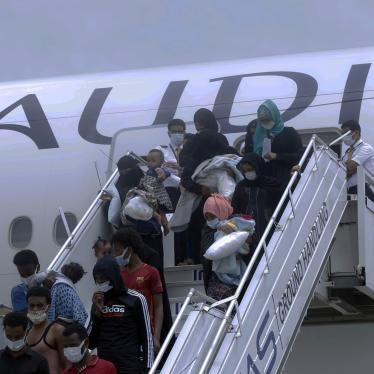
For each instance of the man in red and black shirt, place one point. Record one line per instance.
(76, 351)
(140, 276)
(121, 328)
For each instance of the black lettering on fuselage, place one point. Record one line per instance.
(87, 126)
(39, 129)
(306, 85)
(353, 93)
(169, 102)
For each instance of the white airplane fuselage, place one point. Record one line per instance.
(53, 131)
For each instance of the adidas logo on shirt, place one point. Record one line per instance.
(113, 309)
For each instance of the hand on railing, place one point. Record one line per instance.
(296, 169)
(106, 196)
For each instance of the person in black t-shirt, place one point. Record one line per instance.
(285, 148)
(206, 144)
(121, 328)
(16, 358)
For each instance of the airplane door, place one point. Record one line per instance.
(139, 140)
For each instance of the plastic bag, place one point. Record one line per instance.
(138, 209)
(226, 246)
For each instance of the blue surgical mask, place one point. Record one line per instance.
(213, 223)
(348, 140)
(177, 139)
(122, 262)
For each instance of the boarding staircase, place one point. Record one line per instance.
(253, 331)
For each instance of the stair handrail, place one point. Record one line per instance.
(233, 298)
(341, 137)
(262, 244)
(187, 301)
(171, 332)
(66, 248)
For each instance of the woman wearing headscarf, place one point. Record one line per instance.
(286, 146)
(215, 208)
(130, 175)
(205, 144)
(256, 195)
(222, 276)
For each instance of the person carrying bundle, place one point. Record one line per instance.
(226, 240)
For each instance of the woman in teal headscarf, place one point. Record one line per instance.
(286, 147)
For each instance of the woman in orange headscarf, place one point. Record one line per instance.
(222, 276)
(216, 208)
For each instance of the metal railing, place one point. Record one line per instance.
(341, 137)
(68, 247)
(233, 300)
(313, 143)
(188, 300)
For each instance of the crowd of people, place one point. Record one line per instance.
(213, 192)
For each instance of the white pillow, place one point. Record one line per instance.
(226, 246)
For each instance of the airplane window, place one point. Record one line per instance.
(59, 232)
(20, 232)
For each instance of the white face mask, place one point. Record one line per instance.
(213, 223)
(103, 287)
(37, 316)
(75, 354)
(348, 140)
(15, 345)
(250, 175)
(268, 125)
(177, 139)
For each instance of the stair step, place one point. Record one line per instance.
(183, 273)
(181, 289)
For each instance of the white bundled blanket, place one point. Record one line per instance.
(220, 174)
(226, 245)
(228, 266)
